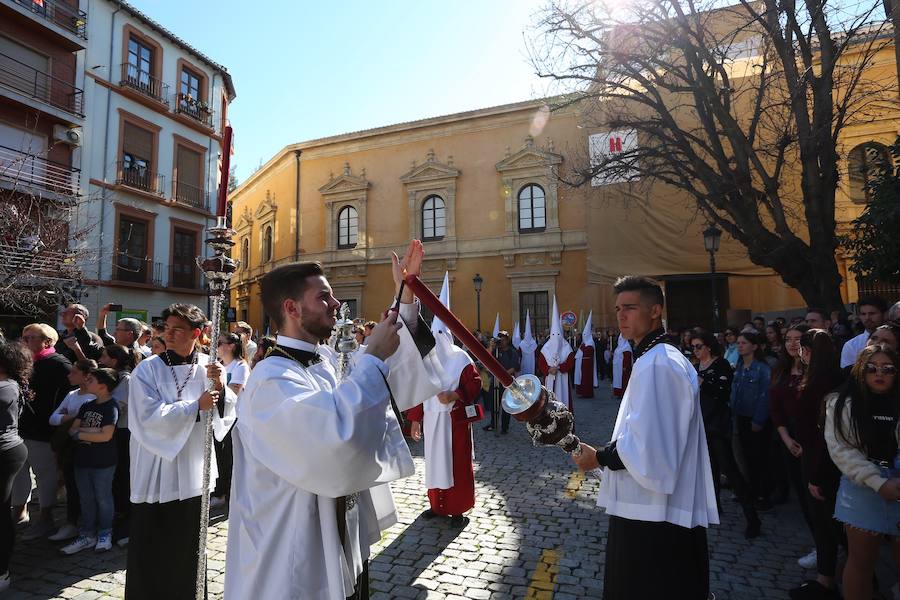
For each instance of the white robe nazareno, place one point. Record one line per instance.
(166, 446)
(301, 441)
(660, 439)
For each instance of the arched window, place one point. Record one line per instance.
(434, 221)
(532, 209)
(865, 162)
(267, 245)
(348, 227)
(245, 253)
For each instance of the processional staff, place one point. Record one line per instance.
(219, 268)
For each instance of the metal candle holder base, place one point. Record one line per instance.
(547, 419)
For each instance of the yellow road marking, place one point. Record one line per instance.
(544, 577)
(575, 481)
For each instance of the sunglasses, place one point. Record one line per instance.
(697, 346)
(871, 368)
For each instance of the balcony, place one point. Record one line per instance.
(65, 20)
(40, 86)
(139, 178)
(195, 109)
(147, 272)
(144, 83)
(185, 276)
(23, 170)
(191, 195)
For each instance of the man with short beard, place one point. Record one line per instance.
(311, 453)
(870, 311)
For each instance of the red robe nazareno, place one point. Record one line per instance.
(585, 387)
(567, 366)
(461, 497)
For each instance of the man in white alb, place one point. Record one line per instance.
(312, 455)
(657, 482)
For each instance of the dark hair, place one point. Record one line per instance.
(777, 330)
(265, 344)
(126, 358)
(16, 361)
(824, 361)
(286, 281)
(86, 365)
(753, 338)
(106, 376)
(782, 369)
(821, 312)
(876, 301)
(235, 340)
(855, 390)
(708, 339)
(186, 312)
(649, 290)
(159, 339)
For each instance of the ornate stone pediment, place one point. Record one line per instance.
(266, 207)
(345, 182)
(430, 170)
(244, 221)
(529, 156)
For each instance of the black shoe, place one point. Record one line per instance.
(428, 514)
(780, 496)
(488, 428)
(753, 529)
(459, 521)
(504, 431)
(813, 590)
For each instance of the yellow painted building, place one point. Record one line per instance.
(481, 188)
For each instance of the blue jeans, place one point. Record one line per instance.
(95, 490)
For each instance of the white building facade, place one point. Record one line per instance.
(155, 110)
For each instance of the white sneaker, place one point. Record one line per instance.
(104, 543)
(4, 582)
(217, 501)
(82, 542)
(66, 532)
(810, 561)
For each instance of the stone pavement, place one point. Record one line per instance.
(535, 533)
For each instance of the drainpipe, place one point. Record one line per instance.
(297, 154)
(104, 191)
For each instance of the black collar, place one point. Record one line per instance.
(304, 357)
(174, 359)
(654, 338)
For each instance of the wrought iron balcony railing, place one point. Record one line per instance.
(191, 195)
(40, 86)
(61, 14)
(145, 83)
(194, 109)
(140, 178)
(186, 276)
(27, 169)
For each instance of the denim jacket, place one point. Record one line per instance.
(750, 391)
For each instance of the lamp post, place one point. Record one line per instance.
(712, 235)
(478, 281)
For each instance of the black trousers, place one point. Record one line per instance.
(225, 464)
(11, 462)
(677, 559)
(721, 458)
(828, 532)
(122, 484)
(361, 592)
(162, 551)
(73, 499)
(755, 448)
(798, 483)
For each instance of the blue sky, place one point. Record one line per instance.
(304, 69)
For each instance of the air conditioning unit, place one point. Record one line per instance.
(67, 135)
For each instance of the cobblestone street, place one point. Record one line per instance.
(535, 533)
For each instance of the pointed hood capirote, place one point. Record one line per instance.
(557, 349)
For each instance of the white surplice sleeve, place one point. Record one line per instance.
(325, 442)
(413, 378)
(654, 435)
(161, 426)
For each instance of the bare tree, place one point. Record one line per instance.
(739, 107)
(41, 246)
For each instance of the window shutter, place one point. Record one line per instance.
(138, 142)
(188, 167)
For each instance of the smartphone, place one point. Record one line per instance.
(115, 308)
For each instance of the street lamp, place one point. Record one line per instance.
(712, 235)
(477, 281)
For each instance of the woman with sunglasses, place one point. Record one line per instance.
(237, 370)
(861, 429)
(715, 376)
